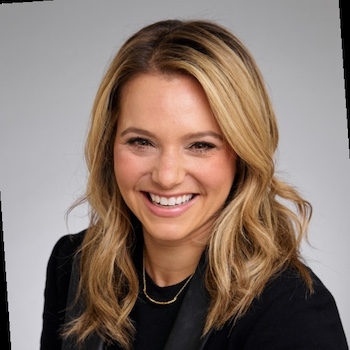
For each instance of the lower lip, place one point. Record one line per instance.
(167, 211)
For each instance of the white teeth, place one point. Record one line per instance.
(171, 201)
(178, 200)
(163, 201)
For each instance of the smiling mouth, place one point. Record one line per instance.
(170, 201)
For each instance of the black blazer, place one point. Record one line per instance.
(284, 317)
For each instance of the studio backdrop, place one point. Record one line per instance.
(52, 58)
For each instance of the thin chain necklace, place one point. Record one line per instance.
(161, 302)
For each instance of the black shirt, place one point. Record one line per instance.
(153, 322)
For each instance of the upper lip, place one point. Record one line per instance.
(170, 195)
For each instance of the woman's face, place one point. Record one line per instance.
(171, 163)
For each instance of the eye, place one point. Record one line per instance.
(202, 146)
(139, 142)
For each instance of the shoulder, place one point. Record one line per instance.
(68, 244)
(63, 252)
(289, 289)
(62, 255)
(61, 259)
(288, 316)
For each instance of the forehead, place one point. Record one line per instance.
(165, 99)
(140, 84)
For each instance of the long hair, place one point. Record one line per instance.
(256, 235)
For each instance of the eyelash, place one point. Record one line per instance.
(202, 146)
(198, 147)
(139, 142)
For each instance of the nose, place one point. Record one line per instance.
(169, 169)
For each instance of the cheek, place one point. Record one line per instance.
(220, 173)
(127, 169)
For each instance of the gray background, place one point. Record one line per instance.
(53, 55)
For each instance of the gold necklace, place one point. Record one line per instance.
(161, 302)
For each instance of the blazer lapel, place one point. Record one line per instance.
(186, 333)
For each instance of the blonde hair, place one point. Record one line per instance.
(254, 237)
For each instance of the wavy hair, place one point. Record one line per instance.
(254, 237)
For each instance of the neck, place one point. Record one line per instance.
(169, 265)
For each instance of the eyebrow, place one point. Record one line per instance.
(187, 136)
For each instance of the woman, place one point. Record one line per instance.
(191, 244)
